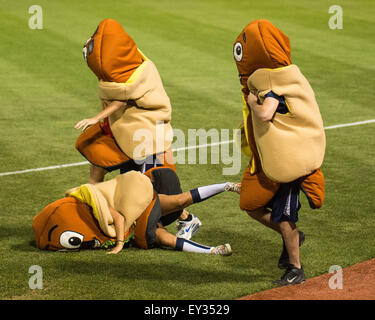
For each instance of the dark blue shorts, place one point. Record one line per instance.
(285, 204)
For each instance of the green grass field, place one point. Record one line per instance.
(46, 88)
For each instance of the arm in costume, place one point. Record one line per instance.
(263, 111)
(119, 222)
(114, 106)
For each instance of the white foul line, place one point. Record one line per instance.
(358, 123)
(45, 168)
(349, 124)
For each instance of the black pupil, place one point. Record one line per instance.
(238, 50)
(74, 241)
(91, 46)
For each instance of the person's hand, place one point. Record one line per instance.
(252, 100)
(117, 249)
(85, 123)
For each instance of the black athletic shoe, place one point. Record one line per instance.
(284, 257)
(291, 277)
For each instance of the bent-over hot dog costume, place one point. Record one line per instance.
(125, 74)
(287, 152)
(82, 219)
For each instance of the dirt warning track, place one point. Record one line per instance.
(358, 284)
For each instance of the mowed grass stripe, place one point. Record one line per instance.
(174, 150)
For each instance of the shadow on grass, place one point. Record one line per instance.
(163, 270)
(20, 231)
(245, 264)
(26, 246)
(14, 233)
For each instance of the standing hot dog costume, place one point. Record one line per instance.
(290, 148)
(125, 74)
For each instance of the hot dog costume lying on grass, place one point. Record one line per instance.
(125, 74)
(82, 219)
(289, 148)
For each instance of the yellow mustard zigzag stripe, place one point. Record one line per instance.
(245, 148)
(139, 70)
(142, 54)
(84, 195)
(287, 105)
(245, 114)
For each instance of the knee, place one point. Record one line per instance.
(287, 227)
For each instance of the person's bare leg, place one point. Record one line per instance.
(264, 217)
(96, 174)
(172, 203)
(290, 234)
(165, 238)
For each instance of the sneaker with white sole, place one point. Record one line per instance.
(233, 187)
(186, 229)
(223, 250)
(292, 276)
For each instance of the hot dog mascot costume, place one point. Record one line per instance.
(287, 150)
(126, 75)
(81, 220)
(291, 146)
(138, 136)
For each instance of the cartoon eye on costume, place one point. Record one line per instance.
(71, 240)
(237, 51)
(91, 46)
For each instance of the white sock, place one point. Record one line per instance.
(191, 246)
(203, 193)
